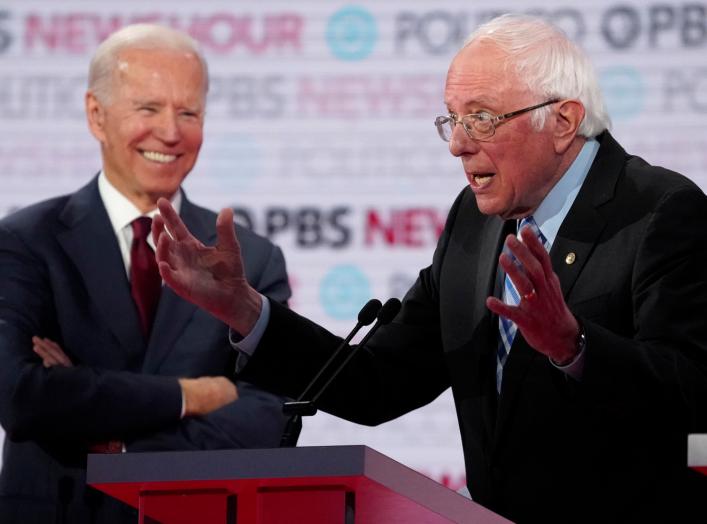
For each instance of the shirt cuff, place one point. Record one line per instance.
(575, 368)
(250, 342)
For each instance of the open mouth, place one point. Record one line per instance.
(160, 158)
(482, 179)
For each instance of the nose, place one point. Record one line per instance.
(167, 128)
(460, 143)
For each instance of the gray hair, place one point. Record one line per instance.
(550, 64)
(137, 36)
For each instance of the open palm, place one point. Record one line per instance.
(210, 277)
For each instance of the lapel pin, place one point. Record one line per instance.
(570, 258)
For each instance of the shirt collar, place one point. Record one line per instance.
(555, 206)
(122, 211)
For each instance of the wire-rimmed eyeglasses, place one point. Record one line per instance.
(479, 126)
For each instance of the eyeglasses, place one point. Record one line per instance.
(479, 126)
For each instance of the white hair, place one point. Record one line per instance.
(137, 36)
(550, 64)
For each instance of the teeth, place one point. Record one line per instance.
(159, 157)
(482, 180)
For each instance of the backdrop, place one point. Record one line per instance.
(320, 134)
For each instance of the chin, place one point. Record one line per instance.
(487, 207)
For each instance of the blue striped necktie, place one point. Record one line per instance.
(507, 329)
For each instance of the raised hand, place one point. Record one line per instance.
(542, 315)
(211, 277)
(50, 352)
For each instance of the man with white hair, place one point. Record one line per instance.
(95, 355)
(565, 303)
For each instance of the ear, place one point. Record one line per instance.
(567, 120)
(96, 116)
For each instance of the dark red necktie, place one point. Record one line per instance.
(145, 281)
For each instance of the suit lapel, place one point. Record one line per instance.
(477, 316)
(578, 235)
(173, 313)
(89, 241)
(583, 225)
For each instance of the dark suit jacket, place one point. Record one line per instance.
(611, 448)
(62, 276)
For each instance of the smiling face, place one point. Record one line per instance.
(151, 127)
(513, 171)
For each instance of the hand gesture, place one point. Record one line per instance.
(542, 315)
(50, 352)
(213, 278)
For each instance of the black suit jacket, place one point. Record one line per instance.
(611, 448)
(62, 276)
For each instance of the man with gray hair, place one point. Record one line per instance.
(95, 354)
(565, 303)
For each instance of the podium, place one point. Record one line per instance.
(697, 452)
(312, 485)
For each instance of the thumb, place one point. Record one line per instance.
(226, 231)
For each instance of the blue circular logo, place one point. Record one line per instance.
(624, 90)
(343, 292)
(351, 33)
(229, 162)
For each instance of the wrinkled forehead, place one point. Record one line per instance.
(151, 64)
(481, 73)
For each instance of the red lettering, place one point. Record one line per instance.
(412, 228)
(81, 32)
(374, 226)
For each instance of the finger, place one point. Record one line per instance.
(517, 275)
(47, 360)
(531, 265)
(57, 353)
(158, 228)
(226, 231)
(500, 308)
(171, 278)
(52, 352)
(171, 219)
(538, 249)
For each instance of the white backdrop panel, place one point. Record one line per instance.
(319, 132)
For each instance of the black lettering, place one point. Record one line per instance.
(273, 99)
(662, 18)
(277, 220)
(571, 22)
(694, 25)
(406, 27)
(344, 232)
(309, 227)
(5, 33)
(243, 217)
(620, 26)
(439, 31)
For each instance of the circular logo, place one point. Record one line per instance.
(343, 292)
(229, 162)
(351, 33)
(624, 90)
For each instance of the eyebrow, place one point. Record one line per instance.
(481, 101)
(146, 102)
(156, 103)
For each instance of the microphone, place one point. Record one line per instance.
(296, 409)
(385, 316)
(366, 316)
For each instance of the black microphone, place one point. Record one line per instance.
(385, 316)
(297, 408)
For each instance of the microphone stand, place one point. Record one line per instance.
(304, 408)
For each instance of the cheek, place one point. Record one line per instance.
(193, 139)
(134, 133)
